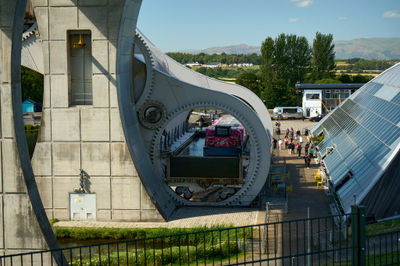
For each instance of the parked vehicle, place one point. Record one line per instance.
(287, 113)
(317, 118)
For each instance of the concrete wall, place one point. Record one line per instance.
(87, 137)
(19, 229)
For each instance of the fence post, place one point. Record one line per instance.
(358, 235)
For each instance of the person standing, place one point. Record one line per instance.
(299, 150)
(280, 144)
(307, 161)
(306, 147)
(274, 141)
(301, 140)
(311, 152)
(286, 142)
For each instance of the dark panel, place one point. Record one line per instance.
(384, 198)
(205, 167)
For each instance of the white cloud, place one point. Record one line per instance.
(303, 3)
(391, 14)
(342, 18)
(293, 19)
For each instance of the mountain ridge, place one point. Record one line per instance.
(367, 48)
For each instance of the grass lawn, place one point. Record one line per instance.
(383, 226)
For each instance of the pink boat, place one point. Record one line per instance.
(224, 138)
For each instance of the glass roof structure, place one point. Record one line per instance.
(362, 137)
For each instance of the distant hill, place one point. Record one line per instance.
(231, 49)
(367, 48)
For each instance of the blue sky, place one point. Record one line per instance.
(175, 25)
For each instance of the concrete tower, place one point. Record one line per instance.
(81, 126)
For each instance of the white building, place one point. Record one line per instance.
(192, 64)
(323, 97)
(212, 65)
(241, 65)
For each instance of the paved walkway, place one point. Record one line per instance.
(185, 218)
(305, 193)
(291, 238)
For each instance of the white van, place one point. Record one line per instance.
(287, 113)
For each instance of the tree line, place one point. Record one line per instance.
(223, 58)
(284, 61)
(351, 65)
(359, 65)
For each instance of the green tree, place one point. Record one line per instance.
(345, 78)
(361, 79)
(284, 62)
(250, 81)
(31, 85)
(328, 80)
(323, 56)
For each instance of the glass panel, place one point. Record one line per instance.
(364, 130)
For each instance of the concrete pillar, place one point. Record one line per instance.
(19, 229)
(85, 136)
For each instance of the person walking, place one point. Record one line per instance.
(290, 148)
(307, 161)
(274, 141)
(311, 152)
(286, 142)
(299, 151)
(306, 147)
(280, 144)
(301, 140)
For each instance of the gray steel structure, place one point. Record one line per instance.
(361, 146)
(175, 89)
(168, 90)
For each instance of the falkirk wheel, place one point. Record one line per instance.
(152, 92)
(172, 90)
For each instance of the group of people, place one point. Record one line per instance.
(293, 142)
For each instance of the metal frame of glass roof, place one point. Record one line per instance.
(362, 136)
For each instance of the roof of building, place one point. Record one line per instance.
(362, 138)
(328, 86)
(29, 101)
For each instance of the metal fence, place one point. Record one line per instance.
(383, 248)
(331, 240)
